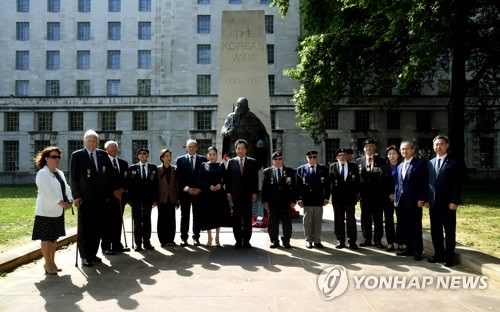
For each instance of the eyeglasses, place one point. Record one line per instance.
(55, 157)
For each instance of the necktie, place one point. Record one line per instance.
(438, 167)
(279, 174)
(143, 171)
(115, 164)
(92, 160)
(192, 162)
(342, 171)
(405, 168)
(241, 165)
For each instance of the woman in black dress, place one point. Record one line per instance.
(215, 209)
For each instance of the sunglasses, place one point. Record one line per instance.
(312, 157)
(279, 158)
(55, 156)
(143, 153)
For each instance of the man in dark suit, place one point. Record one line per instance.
(344, 179)
(411, 193)
(92, 185)
(242, 186)
(373, 177)
(445, 181)
(189, 168)
(143, 195)
(278, 197)
(111, 242)
(313, 190)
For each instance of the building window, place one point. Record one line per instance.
(107, 121)
(486, 152)
(114, 30)
(40, 145)
(136, 145)
(75, 121)
(23, 6)
(83, 29)
(73, 146)
(264, 1)
(360, 144)
(53, 31)
(83, 88)
(144, 59)
(54, 6)
(140, 121)
(22, 87)
(10, 155)
(83, 59)
(52, 88)
(485, 120)
(43, 121)
(113, 87)
(53, 60)
(269, 24)
(203, 24)
(393, 120)
(444, 87)
(144, 30)
(114, 59)
(144, 5)
(203, 145)
(394, 141)
(114, 5)
(362, 120)
(203, 1)
(331, 147)
(423, 120)
(273, 120)
(272, 84)
(332, 120)
(203, 84)
(270, 54)
(22, 31)
(234, 1)
(203, 120)
(83, 6)
(203, 54)
(144, 87)
(11, 121)
(22, 60)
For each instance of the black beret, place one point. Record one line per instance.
(341, 150)
(349, 151)
(370, 141)
(312, 152)
(142, 149)
(277, 154)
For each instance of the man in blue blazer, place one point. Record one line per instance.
(189, 167)
(445, 184)
(411, 193)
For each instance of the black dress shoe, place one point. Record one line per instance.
(247, 245)
(196, 242)
(309, 245)
(379, 245)
(238, 245)
(109, 252)
(87, 263)
(97, 260)
(274, 245)
(319, 245)
(149, 247)
(405, 253)
(390, 247)
(340, 246)
(121, 249)
(184, 243)
(366, 243)
(436, 259)
(417, 257)
(449, 263)
(287, 245)
(139, 249)
(353, 246)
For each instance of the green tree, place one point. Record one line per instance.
(355, 50)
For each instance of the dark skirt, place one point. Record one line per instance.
(48, 228)
(215, 211)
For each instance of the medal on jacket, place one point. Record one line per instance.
(152, 176)
(134, 173)
(288, 180)
(103, 169)
(125, 174)
(322, 179)
(88, 173)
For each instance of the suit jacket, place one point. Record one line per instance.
(344, 191)
(167, 187)
(279, 192)
(313, 189)
(88, 182)
(445, 186)
(373, 184)
(139, 189)
(186, 176)
(242, 186)
(415, 185)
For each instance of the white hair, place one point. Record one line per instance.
(191, 141)
(90, 133)
(110, 142)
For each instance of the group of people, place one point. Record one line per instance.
(219, 194)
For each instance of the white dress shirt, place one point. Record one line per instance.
(50, 193)
(406, 165)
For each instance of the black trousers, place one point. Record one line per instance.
(279, 213)
(141, 214)
(372, 214)
(442, 218)
(400, 235)
(186, 204)
(166, 222)
(90, 225)
(113, 219)
(390, 233)
(242, 221)
(411, 217)
(344, 215)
